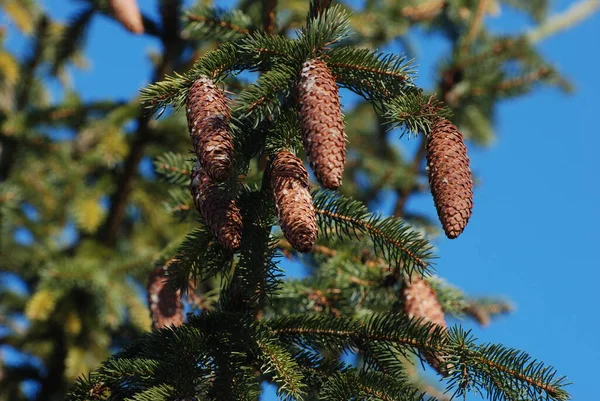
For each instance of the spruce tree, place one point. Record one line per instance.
(183, 275)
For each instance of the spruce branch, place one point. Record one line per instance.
(279, 362)
(175, 167)
(415, 112)
(392, 239)
(207, 22)
(517, 84)
(264, 98)
(265, 50)
(341, 333)
(489, 367)
(72, 38)
(371, 74)
(471, 366)
(173, 89)
(199, 256)
(325, 29)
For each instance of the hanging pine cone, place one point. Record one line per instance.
(207, 116)
(166, 308)
(219, 211)
(128, 14)
(450, 177)
(322, 123)
(289, 181)
(420, 301)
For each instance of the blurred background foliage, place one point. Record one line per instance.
(83, 219)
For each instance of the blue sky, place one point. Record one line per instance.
(534, 230)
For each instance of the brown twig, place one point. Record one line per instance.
(475, 24)
(268, 15)
(173, 47)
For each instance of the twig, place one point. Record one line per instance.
(563, 21)
(223, 24)
(268, 15)
(173, 46)
(475, 24)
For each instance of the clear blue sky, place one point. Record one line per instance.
(533, 234)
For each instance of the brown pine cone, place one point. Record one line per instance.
(207, 115)
(166, 308)
(289, 181)
(322, 123)
(450, 177)
(420, 302)
(220, 213)
(128, 14)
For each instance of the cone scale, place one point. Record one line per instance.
(289, 181)
(166, 308)
(450, 177)
(208, 114)
(420, 302)
(322, 123)
(128, 14)
(219, 211)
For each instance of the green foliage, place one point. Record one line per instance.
(72, 38)
(392, 239)
(207, 23)
(249, 323)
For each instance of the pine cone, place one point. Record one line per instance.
(166, 308)
(420, 301)
(128, 14)
(322, 123)
(289, 180)
(219, 211)
(207, 116)
(450, 177)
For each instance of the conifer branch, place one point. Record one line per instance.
(264, 98)
(173, 90)
(373, 75)
(72, 38)
(204, 22)
(175, 167)
(277, 359)
(198, 256)
(324, 28)
(515, 83)
(392, 239)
